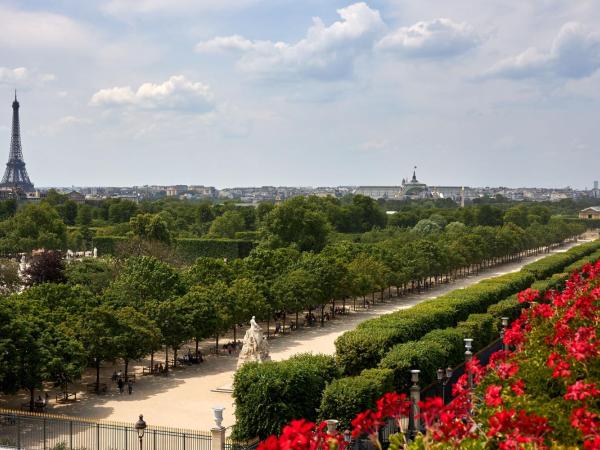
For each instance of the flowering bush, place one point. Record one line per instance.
(545, 393)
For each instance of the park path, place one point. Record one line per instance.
(184, 399)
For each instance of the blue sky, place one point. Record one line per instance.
(304, 92)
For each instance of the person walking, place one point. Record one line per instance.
(120, 384)
(129, 387)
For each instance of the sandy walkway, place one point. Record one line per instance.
(184, 398)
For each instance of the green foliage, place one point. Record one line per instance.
(557, 262)
(297, 222)
(227, 225)
(93, 273)
(32, 227)
(269, 395)
(191, 249)
(107, 245)
(345, 397)
(363, 347)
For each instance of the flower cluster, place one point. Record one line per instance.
(304, 435)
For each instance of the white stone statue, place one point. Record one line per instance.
(95, 252)
(255, 346)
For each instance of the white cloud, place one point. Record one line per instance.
(176, 93)
(376, 145)
(439, 38)
(21, 76)
(327, 52)
(40, 30)
(131, 8)
(575, 53)
(62, 124)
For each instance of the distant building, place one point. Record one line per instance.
(591, 213)
(77, 197)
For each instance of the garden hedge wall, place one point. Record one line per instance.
(269, 395)
(343, 397)
(192, 249)
(365, 346)
(188, 249)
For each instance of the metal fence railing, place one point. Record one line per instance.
(38, 431)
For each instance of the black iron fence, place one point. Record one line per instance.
(31, 431)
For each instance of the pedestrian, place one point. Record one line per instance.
(120, 384)
(129, 387)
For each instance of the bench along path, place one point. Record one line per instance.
(184, 398)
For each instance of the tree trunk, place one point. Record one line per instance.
(268, 325)
(217, 344)
(297, 320)
(152, 358)
(126, 369)
(31, 399)
(322, 318)
(166, 358)
(235, 332)
(174, 357)
(97, 375)
(197, 347)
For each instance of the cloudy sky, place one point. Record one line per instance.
(304, 92)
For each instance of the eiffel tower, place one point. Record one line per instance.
(15, 176)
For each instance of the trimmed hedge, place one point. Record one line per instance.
(364, 347)
(440, 348)
(107, 245)
(552, 264)
(187, 249)
(345, 396)
(269, 395)
(192, 249)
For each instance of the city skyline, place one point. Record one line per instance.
(257, 92)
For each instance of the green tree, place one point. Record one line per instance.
(227, 225)
(9, 276)
(45, 267)
(296, 223)
(136, 335)
(94, 273)
(33, 226)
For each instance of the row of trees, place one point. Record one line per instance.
(106, 309)
(307, 222)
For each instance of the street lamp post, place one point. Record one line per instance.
(443, 378)
(469, 358)
(140, 427)
(503, 332)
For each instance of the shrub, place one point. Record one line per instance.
(107, 245)
(344, 397)
(556, 263)
(271, 394)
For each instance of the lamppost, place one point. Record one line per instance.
(347, 437)
(140, 427)
(503, 332)
(443, 378)
(414, 423)
(469, 358)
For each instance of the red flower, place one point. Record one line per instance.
(561, 368)
(528, 295)
(507, 370)
(493, 396)
(586, 421)
(366, 422)
(393, 405)
(271, 443)
(592, 443)
(580, 391)
(298, 435)
(430, 410)
(517, 388)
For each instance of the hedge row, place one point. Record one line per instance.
(269, 395)
(188, 249)
(365, 346)
(345, 396)
(552, 264)
(192, 249)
